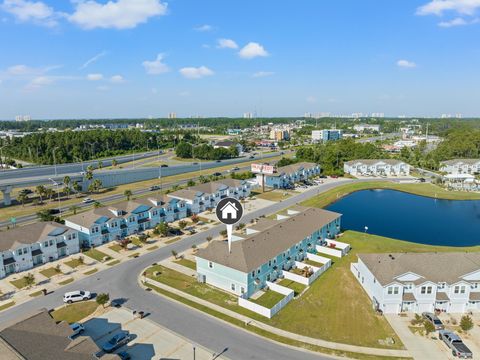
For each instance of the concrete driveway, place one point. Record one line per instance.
(150, 341)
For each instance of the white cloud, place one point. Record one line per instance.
(20, 70)
(195, 72)
(311, 99)
(227, 44)
(93, 60)
(204, 28)
(94, 77)
(457, 22)
(439, 7)
(406, 64)
(252, 50)
(120, 14)
(156, 66)
(31, 11)
(117, 79)
(260, 74)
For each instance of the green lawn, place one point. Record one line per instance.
(66, 281)
(75, 312)
(423, 189)
(173, 240)
(296, 287)
(274, 195)
(134, 255)
(115, 247)
(187, 263)
(269, 299)
(136, 241)
(90, 272)
(313, 263)
(36, 293)
(7, 305)
(154, 247)
(96, 254)
(73, 263)
(50, 272)
(114, 262)
(20, 283)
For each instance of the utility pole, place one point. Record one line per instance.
(54, 159)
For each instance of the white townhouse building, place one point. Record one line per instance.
(108, 223)
(369, 167)
(24, 247)
(461, 166)
(206, 196)
(418, 282)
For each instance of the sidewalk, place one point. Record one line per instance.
(274, 330)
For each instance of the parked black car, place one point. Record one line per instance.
(117, 341)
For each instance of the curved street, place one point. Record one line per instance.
(121, 283)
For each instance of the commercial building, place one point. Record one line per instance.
(40, 337)
(366, 128)
(286, 176)
(326, 135)
(24, 247)
(206, 196)
(227, 144)
(461, 166)
(418, 282)
(279, 134)
(108, 223)
(269, 250)
(370, 167)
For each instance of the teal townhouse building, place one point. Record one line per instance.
(266, 250)
(25, 247)
(206, 196)
(105, 224)
(286, 176)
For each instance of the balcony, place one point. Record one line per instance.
(144, 220)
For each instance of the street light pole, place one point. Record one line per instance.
(58, 195)
(1, 157)
(55, 159)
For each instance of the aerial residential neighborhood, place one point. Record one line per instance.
(231, 180)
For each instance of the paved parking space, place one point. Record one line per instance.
(426, 348)
(150, 341)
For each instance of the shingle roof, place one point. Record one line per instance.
(458, 161)
(374, 161)
(290, 169)
(29, 234)
(185, 194)
(209, 187)
(39, 337)
(257, 249)
(435, 267)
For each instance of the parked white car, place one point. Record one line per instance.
(77, 329)
(87, 200)
(74, 296)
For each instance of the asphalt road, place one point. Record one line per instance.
(121, 283)
(168, 171)
(49, 170)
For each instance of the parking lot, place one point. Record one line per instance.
(149, 340)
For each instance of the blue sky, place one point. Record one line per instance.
(138, 58)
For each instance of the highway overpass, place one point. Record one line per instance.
(110, 178)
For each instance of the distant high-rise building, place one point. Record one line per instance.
(307, 115)
(378, 115)
(458, 116)
(446, 116)
(172, 115)
(248, 115)
(23, 118)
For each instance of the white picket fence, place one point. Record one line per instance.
(264, 311)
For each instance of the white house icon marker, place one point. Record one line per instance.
(229, 211)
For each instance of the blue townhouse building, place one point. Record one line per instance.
(268, 249)
(105, 224)
(284, 177)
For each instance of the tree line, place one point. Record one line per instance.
(204, 151)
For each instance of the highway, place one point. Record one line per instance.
(168, 171)
(121, 283)
(64, 169)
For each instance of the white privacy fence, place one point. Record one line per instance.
(334, 248)
(264, 311)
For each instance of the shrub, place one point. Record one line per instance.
(102, 299)
(429, 327)
(174, 254)
(466, 323)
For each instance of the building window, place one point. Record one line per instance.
(253, 273)
(233, 287)
(242, 289)
(210, 265)
(395, 290)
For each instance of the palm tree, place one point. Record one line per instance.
(67, 180)
(77, 187)
(127, 193)
(40, 190)
(97, 204)
(74, 209)
(22, 197)
(49, 192)
(100, 164)
(114, 162)
(67, 190)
